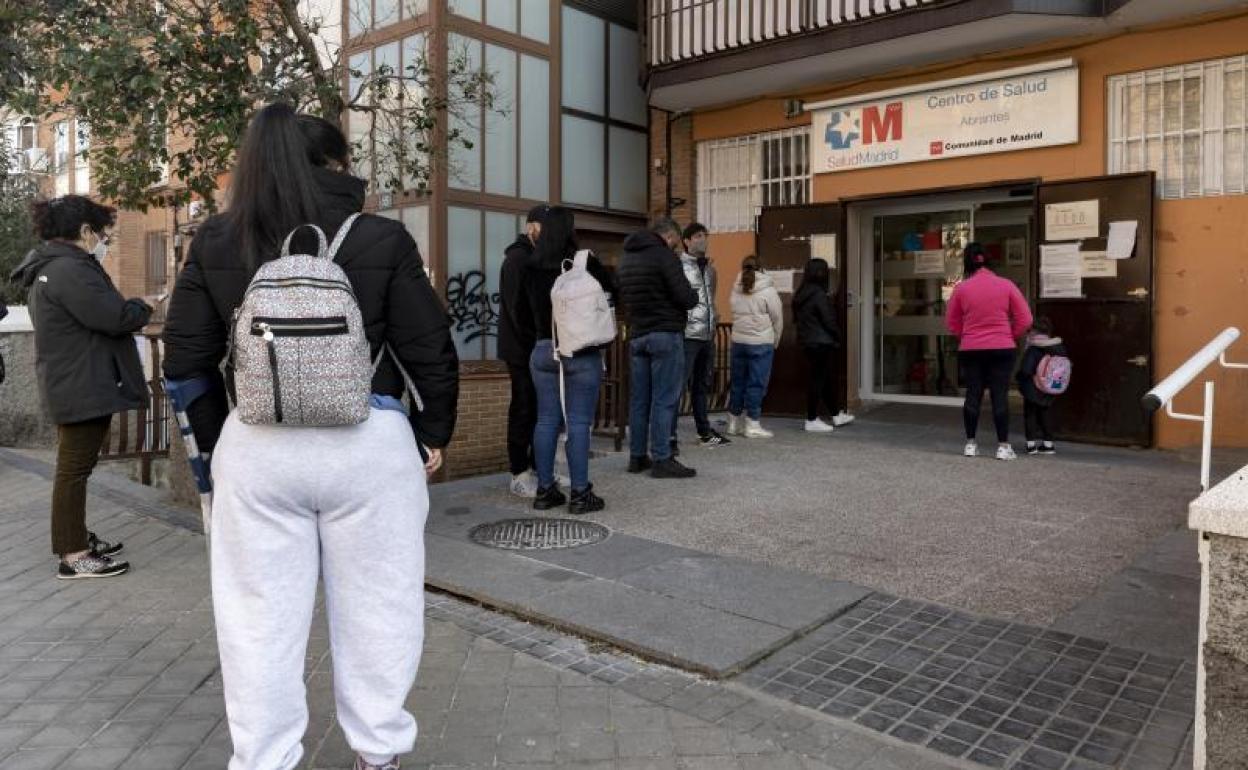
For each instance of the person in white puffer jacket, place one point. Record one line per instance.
(757, 324)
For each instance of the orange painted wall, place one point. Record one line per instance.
(1202, 244)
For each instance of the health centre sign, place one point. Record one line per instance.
(1006, 112)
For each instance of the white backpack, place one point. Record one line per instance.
(297, 345)
(581, 314)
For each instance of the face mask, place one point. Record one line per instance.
(697, 248)
(100, 250)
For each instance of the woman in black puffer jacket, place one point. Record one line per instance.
(820, 336)
(291, 503)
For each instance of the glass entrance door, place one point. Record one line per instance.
(918, 261)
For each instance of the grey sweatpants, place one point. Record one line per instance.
(348, 503)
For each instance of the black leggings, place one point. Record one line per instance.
(819, 381)
(990, 369)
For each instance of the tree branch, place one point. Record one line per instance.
(326, 90)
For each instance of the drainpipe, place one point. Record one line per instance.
(667, 151)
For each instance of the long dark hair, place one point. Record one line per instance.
(816, 274)
(749, 273)
(273, 189)
(557, 241)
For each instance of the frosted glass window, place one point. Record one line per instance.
(628, 100)
(627, 179)
(534, 108)
(413, 52)
(466, 162)
(583, 161)
(360, 123)
(584, 79)
(500, 231)
(359, 16)
(535, 19)
(501, 14)
(469, 9)
(385, 135)
(414, 8)
(387, 13)
(416, 220)
(465, 283)
(500, 125)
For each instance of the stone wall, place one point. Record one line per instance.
(22, 420)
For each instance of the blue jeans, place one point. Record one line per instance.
(658, 367)
(582, 374)
(751, 369)
(699, 355)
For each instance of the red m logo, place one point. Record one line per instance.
(882, 128)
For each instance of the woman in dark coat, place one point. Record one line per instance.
(86, 362)
(820, 337)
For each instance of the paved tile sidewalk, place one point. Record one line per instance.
(124, 673)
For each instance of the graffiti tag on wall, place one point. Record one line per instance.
(473, 309)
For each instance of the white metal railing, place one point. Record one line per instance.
(1163, 393)
(680, 30)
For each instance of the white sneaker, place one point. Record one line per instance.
(1006, 452)
(843, 418)
(524, 485)
(753, 429)
(970, 450)
(736, 425)
(563, 481)
(817, 426)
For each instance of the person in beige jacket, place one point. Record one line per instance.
(757, 323)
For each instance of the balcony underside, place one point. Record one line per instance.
(789, 65)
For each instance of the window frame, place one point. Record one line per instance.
(1212, 131)
(756, 185)
(605, 120)
(150, 238)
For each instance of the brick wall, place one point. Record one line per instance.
(127, 253)
(682, 166)
(480, 442)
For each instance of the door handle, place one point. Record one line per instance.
(1140, 360)
(1139, 293)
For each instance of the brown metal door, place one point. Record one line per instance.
(1109, 330)
(787, 237)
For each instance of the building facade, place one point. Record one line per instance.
(1096, 149)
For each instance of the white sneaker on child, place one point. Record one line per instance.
(1006, 452)
(970, 450)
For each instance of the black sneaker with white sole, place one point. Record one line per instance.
(91, 566)
(102, 547)
(713, 439)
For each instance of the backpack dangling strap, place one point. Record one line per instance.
(417, 403)
(320, 240)
(341, 236)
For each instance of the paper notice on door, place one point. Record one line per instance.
(783, 280)
(1097, 265)
(1121, 243)
(1061, 271)
(824, 247)
(1073, 220)
(929, 262)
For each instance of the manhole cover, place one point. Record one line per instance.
(538, 534)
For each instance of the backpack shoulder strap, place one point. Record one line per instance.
(581, 260)
(341, 236)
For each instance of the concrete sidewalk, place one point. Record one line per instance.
(124, 673)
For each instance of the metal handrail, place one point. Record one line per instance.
(1163, 393)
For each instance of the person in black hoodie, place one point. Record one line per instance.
(819, 336)
(86, 362)
(567, 385)
(1036, 403)
(346, 503)
(656, 298)
(516, 338)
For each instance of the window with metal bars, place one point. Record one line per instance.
(157, 262)
(1187, 123)
(739, 175)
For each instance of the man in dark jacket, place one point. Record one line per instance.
(656, 298)
(516, 338)
(395, 297)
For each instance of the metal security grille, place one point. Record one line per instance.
(737, 176)
(538, 534)
(1187, 123)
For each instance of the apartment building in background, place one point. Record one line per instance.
(1097, 149)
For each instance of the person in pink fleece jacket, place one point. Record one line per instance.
(987, 313)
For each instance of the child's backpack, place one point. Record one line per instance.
(581, 314)
(1052, 374)
(297, 345)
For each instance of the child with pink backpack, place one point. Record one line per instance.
(1043, 376)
